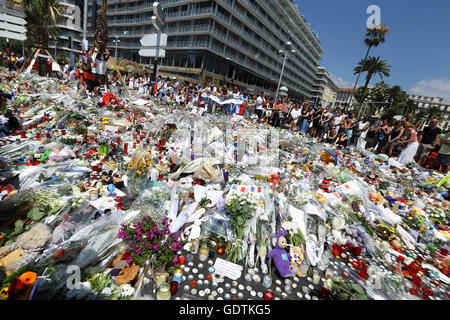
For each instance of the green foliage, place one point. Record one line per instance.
(69, 141)
(62, 60)
(350, 290)
(99, 282)
(240, 209)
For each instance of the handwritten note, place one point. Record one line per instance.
(227, 269)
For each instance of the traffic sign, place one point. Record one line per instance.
(157, 24)
(154, 52)
(158, 13)
(12, 27)
(12, 19)
(154, 40)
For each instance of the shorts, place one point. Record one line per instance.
(443, 159)
(424, 150)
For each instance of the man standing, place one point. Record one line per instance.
(443, 157)
(428, 140)
(259, 105)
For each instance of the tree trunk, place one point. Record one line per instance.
(369, 77)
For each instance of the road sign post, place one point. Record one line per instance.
(153, 44)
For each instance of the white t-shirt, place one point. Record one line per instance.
(296, 113)
(259, 103)
(338, 120)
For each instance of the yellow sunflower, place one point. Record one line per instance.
(4, 293)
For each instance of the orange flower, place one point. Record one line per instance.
(28, 278)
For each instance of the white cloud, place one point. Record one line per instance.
(433, 88)
(341, 83)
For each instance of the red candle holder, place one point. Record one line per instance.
(182, 260)
(357, 251)
(63, 132)
(324, 293)
(363, 272)
(125, 148)
(269, 295)
(119, 206)
(23, 134)
(38, 135)
(173, 287)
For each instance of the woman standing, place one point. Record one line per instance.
(361, 132)
(371, 137)
(324, 122)
(383, 133)
(411, 143)
(350, 124)
(395, 137)
(304, 119)
(315, 118)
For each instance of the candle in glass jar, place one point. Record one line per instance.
(221, 249)
(203, 254)
(164, 292)
(267, 281)
(316, 277)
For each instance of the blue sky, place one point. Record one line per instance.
(417, 46)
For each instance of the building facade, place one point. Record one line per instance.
(429, 102)
(70, 26)
(233, 42)
(343, 98)
(324, 90)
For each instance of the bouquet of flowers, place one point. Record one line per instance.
(152, 241)
(240, 208)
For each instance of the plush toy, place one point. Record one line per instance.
(328, 157)
(297, 258)
(376, 198)
(338, 225)
(128, 274)
(281, 258)
(307, 166)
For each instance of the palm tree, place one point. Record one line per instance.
(425, 115)
(41, 17)
(374, 37)
(373, 66)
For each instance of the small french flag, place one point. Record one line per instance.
(280, 214)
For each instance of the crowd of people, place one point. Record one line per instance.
(398, 138)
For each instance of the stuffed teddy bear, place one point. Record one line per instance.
(127, 274)
(376, 198)
(281, 259)
(297, 258)
(338, 225)
(307, 166)
(328, 157)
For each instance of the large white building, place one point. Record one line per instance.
(429, 102)
(324, 89)
(233, 42)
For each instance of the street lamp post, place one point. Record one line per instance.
(286, 56)
(116, 42)
(85, 12)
